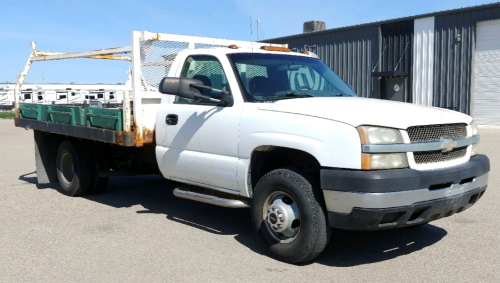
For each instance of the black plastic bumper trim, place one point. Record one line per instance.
(395, 180)
(397, 217)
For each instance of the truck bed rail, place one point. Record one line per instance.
(151, 56)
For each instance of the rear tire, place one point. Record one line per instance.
(288, 218)
(74, 170)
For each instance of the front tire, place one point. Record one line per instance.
(288, 218)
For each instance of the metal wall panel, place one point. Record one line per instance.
(453, 59)
(351, 53)
(423, 61)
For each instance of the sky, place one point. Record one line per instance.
(75, 25)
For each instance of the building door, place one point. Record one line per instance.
(487, 73)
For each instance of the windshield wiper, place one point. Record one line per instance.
(289, 94)
(298, 94)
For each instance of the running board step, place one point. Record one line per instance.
(210, 199)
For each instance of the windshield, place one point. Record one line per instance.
(270, 77)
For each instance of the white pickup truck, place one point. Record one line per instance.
(247, 124)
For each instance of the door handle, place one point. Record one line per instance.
(171, 119)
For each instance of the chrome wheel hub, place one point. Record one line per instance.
(282, 216)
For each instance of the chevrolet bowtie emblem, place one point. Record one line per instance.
(448, 144)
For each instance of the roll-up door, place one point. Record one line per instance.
(487, 73)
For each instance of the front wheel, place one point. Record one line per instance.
(288, 218)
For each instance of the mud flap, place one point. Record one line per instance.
(45, 157)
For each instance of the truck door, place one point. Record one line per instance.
(200, 137)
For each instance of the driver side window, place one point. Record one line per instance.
(253, 77)
(209, 71)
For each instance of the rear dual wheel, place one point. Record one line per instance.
(78, 169)
(288, 216)
(74, 169)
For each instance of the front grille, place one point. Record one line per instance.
(436, 132)
(424, 157)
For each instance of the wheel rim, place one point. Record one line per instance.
(282, 217)
(67, 168)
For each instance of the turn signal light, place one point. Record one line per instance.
(232, 46)
(275, 48)
(365, 161)
(362, 135)
(305, 52)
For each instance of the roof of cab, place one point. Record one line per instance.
(228, 50)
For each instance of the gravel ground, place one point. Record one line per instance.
(137, 231)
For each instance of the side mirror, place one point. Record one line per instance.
(191, 89)
(180, 87)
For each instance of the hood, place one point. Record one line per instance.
(358, 111)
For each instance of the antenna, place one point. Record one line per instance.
(251, 33)
(258, 31)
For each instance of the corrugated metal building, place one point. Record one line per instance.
(448, 59)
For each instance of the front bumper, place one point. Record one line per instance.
(371, 200)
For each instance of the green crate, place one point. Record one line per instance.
(33, 111)
(64, 114)
(104, 118)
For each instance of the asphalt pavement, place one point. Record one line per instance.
(137, 231)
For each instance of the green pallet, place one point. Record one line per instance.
(33, 111)
(104, 118)
(64, 114)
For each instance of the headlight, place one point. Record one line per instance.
(380, 135)
(384, 161)
(473, 127)
(475, 147)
